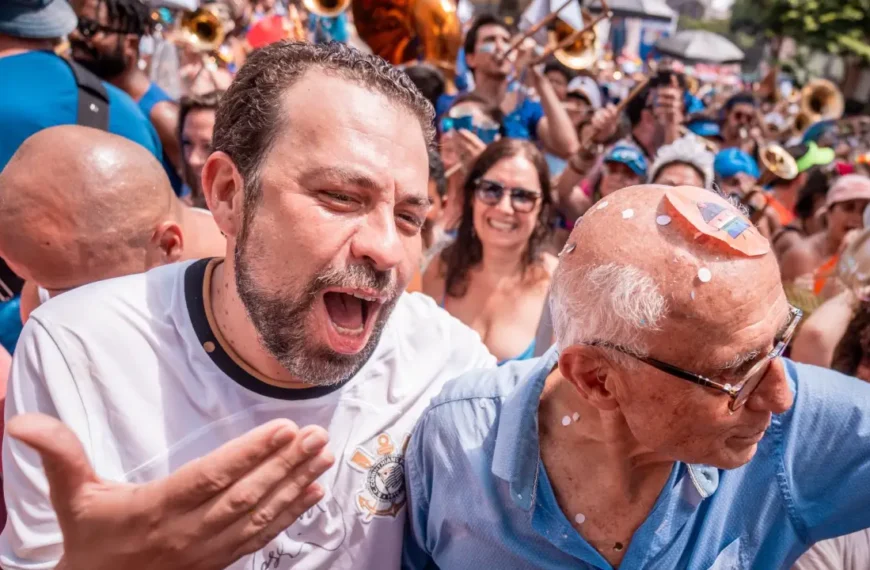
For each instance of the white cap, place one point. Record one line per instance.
(587, 87)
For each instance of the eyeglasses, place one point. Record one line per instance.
(739, 391)
(89, 28)
(490, 193)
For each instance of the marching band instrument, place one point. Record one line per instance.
(326, 8)
(401, 31)
(823, 99)
(517, 41)
(575, 49)
(776, 162)
(202, 30)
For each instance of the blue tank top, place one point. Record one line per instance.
(153, 96)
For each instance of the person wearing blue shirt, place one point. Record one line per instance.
(546, 121)
(28, 66)
(106, 42)
(663, 431)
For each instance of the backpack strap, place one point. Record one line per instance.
(93, 106)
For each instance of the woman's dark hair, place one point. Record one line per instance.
(855, 343)
(467, 250)
(494, 112)
(815, 189)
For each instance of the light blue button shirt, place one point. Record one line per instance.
(479, 496)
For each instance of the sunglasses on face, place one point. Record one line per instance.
(490, 193)
(89, 28)
(744, 385)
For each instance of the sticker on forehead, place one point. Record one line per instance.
(711, 215)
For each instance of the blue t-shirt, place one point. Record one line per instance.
(153, 96)
(521, 123)
(39, 91)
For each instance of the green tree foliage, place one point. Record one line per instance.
(832, 26)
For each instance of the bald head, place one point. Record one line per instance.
(649, 263)
(79, 204)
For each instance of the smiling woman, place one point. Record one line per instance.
(494, 278)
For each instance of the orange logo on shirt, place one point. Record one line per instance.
(383, 489)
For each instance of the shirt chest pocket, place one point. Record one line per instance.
(730, 558)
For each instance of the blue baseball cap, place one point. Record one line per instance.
(730, 161)
(816, 130)
(628, 155)
(704, 127)
(37, 19)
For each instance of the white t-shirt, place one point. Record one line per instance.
(134, 368)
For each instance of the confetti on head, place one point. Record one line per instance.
(703, 214)
(704, 275)
(569, 247)
(580, 518)
(663, 220)
(601, 205)
(576, 416)
(626, 214)
(566, 420)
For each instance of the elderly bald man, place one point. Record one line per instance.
(79, 205)
(664, 431)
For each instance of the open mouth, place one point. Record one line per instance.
(350, 316)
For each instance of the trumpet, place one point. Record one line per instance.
(202, 30)
(326, 8)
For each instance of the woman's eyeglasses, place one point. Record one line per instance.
(490, 193)
(89, 28)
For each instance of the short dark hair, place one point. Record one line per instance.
(558, 67)
(635, 107)
(437, 173)
(249, 115)
(479, 22)
(814, 191)
(744, 98)
(428, 79)
(190, 103)
(130, 16)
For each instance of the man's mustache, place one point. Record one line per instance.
(361, 276)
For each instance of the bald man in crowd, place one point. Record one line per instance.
(79, 205)
(664, 430)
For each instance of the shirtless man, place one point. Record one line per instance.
(817, 255)
(80, 205)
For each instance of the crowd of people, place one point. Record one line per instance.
(282, 304)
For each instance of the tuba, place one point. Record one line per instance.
(402, 31)
(326, 8)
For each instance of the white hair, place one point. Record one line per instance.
(608, 303)
(688, 150)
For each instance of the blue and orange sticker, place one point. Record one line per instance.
(711, 215)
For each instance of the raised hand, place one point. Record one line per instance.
(206, 515)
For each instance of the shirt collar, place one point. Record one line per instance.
(517, 456)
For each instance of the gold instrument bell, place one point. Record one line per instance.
(202, 30)
(822, 99)
(401, 31)
(326, 8)
(579, 55)
(777, 163)
(802, 121)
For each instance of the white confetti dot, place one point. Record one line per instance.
(626, 214)
(579, 518)
(663, 220)
(727, 387)
(576, 416)
(704, 275)
(692, 295)
(602, 205)
(566, 420)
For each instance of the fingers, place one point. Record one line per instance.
(472, 139)
(289, 501)
(293, 467)
(63, 457)
(203, 479)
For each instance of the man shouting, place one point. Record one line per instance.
(185, 385)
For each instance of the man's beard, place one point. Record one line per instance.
(102, 65)
(280, 321)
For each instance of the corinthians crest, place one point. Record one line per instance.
(383, 488)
